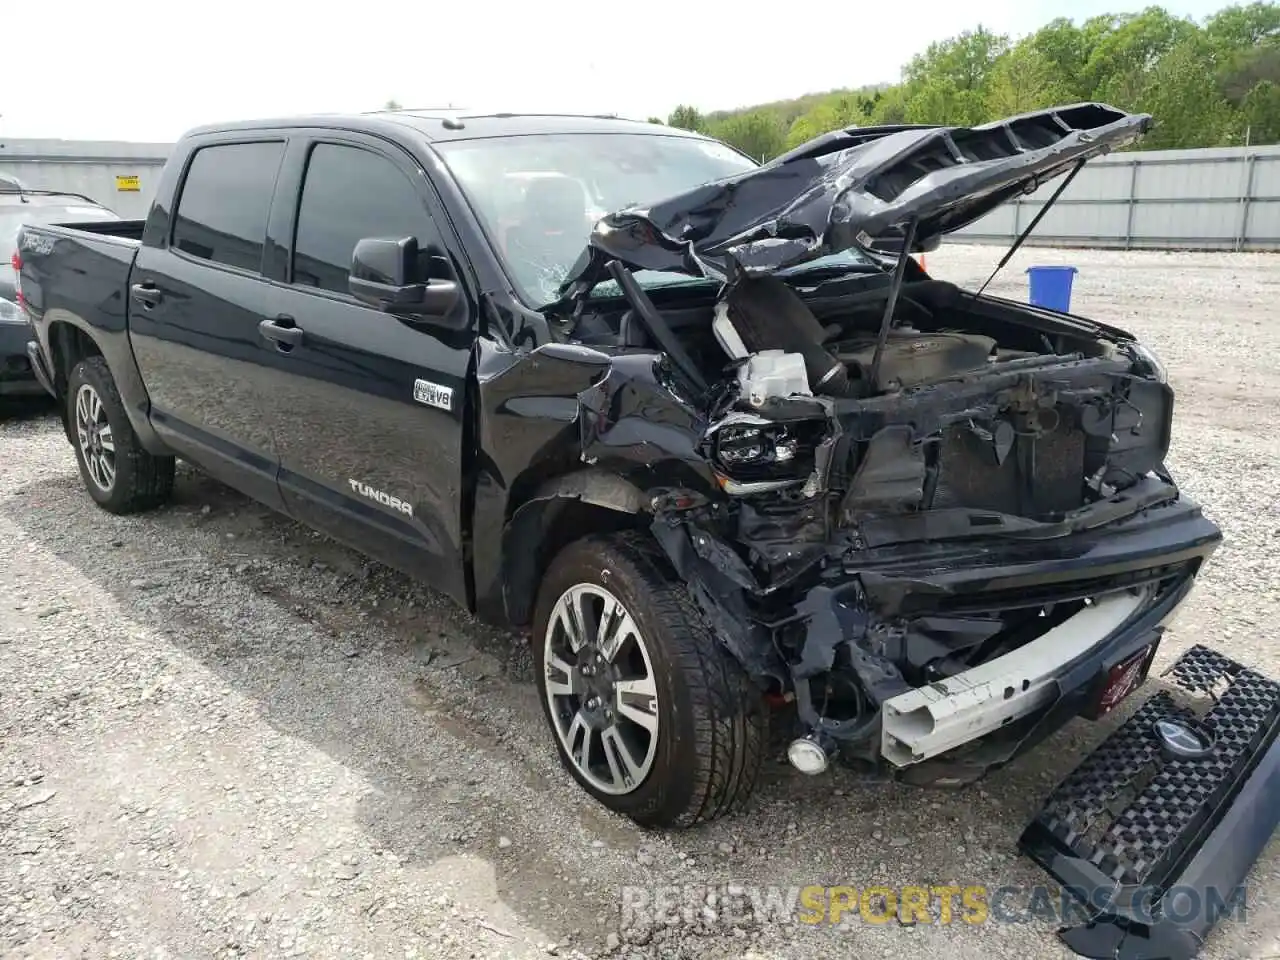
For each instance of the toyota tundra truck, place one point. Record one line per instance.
(727, 453)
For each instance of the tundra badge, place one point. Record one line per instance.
(386, 499)
(433, 394)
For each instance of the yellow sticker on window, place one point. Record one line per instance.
(128, 184)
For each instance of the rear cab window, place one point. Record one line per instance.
(225, 202)
(350, 193)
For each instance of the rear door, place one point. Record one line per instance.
(197, 297)
(368, 407)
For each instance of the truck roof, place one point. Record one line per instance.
(441, 124)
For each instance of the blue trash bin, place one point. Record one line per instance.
(1051, 287)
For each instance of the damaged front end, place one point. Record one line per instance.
(937, 523)
(935, 575)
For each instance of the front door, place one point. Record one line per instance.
(195, 302)
(367, 407)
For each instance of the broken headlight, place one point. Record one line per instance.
(769, 455)
(1146, 357)
(750, 446)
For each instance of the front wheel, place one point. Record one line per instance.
(650, 714)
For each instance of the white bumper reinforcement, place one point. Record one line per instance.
(931, 720)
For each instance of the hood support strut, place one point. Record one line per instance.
(649, 315)
(899, 272)
(1035, 222)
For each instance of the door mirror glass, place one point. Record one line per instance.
(393, 276)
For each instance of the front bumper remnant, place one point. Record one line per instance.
(933, 719)
(1155, 843)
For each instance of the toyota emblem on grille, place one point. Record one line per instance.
(1184, 739)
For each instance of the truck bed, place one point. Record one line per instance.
(114, 229)
(80, 273)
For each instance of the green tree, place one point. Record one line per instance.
(1246, 42)
(1205, 83)
(840, 111)
(686, 118)
(1259, 116)
(657, 120)
(759, 134)
(964, 62)
(1024, 79)
(1121, 65)
(948, 82)
(1067, 48)
(391, 105)
(1243, 69)
(1240, 27)
(1183, 95)
(889, 106)
(939, 100)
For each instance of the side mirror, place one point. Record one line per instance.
(386, 275)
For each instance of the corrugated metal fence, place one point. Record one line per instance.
(118, 175)
(1216, 199)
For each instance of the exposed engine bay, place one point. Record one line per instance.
(979, 418)
(906, 508)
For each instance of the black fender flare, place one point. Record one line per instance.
(115, 348)
(559, 511)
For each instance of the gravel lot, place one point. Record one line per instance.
(222, 735)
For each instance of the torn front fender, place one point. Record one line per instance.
(636, 423)
(562, 431)
(721, 583)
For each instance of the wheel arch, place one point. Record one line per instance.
(560, 511)
(68, 345)
(71, 342)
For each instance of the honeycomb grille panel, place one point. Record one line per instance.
(1173, 797)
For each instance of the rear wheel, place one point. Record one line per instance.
(119, 474)
(649, 712)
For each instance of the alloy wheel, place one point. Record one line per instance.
(601, 689)
(97, 445)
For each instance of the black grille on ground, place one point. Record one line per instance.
(969, 474)
(1165, 803)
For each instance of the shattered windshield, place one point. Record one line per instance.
(539, 196)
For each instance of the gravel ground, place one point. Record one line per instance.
(222, 735)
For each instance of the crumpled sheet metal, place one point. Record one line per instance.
(853, 187)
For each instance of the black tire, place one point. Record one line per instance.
(141, 481)
(712, 720)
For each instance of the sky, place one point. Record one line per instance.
(147, 70)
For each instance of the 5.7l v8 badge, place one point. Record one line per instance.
(433, 394)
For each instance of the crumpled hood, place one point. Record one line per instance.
(852, 188)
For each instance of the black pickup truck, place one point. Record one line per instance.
(727, 451)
